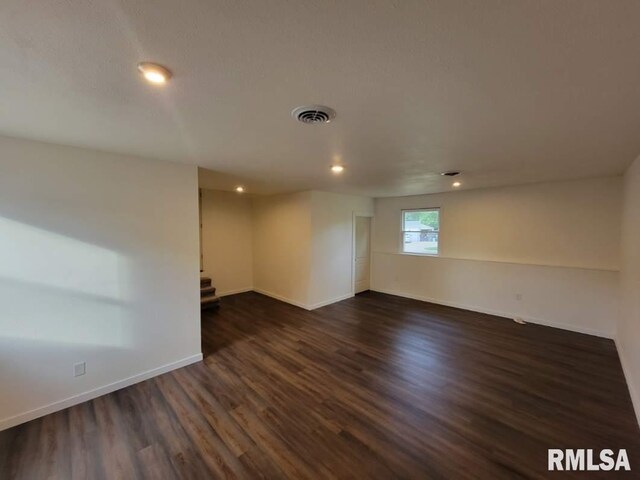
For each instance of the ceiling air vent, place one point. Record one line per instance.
(313, 114)
(453, 173)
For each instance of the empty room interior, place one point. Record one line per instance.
(319, 239)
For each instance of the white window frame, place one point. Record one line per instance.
(403, 231)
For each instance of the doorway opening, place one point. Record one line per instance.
(361, 254)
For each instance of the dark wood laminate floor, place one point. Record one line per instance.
(372, 387)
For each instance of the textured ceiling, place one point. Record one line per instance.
(506, 91)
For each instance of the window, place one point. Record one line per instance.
(420, 231)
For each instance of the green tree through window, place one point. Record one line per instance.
(429, 218)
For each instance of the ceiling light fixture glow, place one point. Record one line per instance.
(154, 73)
(239, 189)
(456, 184)
(337, 169)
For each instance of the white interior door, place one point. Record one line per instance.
(362, 254)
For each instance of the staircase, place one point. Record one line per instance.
(208, 297)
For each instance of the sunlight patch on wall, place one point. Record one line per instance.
(39, 257)
(60, 290)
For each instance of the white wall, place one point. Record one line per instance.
(227, 241)
(332, 245)
(282, 246)
(554, 244)
(98, 263)
(302, 246)
(628, 334)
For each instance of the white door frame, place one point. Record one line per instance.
(353, 248)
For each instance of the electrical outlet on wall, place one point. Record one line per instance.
(519, 297)
(79, 369)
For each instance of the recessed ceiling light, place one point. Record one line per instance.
(456, 184)
(239, 189)
(154, 73)
(337, 169)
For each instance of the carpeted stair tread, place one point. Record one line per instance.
(206, 291)
(210, 301)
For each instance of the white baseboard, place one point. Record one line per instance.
(635, 398)
(281, 298)
(234, 292)
(498, 313)
(97, 392)
(329, 302)
(303, 305)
